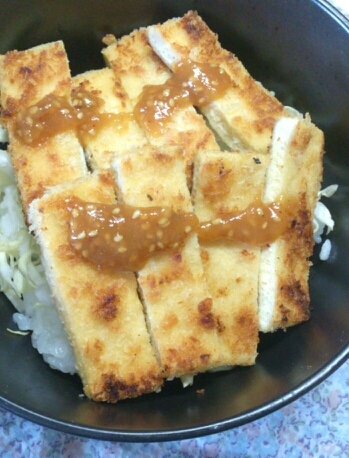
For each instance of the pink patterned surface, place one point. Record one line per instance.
(316, 425)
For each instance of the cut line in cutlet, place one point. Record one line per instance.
(245, 115)
(116, 129)
(229, 182)
(100, 307)
(181, 318)
(136, 65)
(26, 77)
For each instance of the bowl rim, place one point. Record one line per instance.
(82, 430)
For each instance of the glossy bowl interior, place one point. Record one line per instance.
(298, 49)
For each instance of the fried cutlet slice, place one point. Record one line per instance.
(137, 66)
(228, 183)
(26, 77)
(117, 129)
(178, 306)
(245, 115)
(295, 174)
(99, 306)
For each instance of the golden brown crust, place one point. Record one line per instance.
(302, 180)
(108, 138)
(26, 77)
(229, 182)
(185, 327)
(247, 112)
(136, 64)
(99, 307)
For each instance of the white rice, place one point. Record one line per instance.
(23, 281)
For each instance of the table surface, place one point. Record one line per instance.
(316, 425)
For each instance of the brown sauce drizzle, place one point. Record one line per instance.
(54, 115)
(124, 237)
(191, 84)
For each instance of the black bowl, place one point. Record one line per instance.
(299, 49)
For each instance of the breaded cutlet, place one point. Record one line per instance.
(117, 129)
(26, 77)
(99, 306)
(229, 182)
(137, 66)
(184, 328)
(294, 175)
(245, 115)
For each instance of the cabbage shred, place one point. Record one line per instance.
(22, 278)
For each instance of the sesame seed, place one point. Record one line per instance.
(216, 221)
(171, 102)
(187, 229)
(93, 233)
(80, 115)
(160, 245)
(151, 248)
(33, 110)
(118, 237)
(163, 222)
(122, 249)
(265, 224)
(159, 233)
(201, 100)
(75, 212)
(78, 246)
(136, 214)
(81, 236)
(29, 120)
(260, 212)
(85, 253)
(166, 93)
(116, 211)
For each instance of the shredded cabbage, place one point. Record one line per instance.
(23, 281)
(322, 216)
(3, 135)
